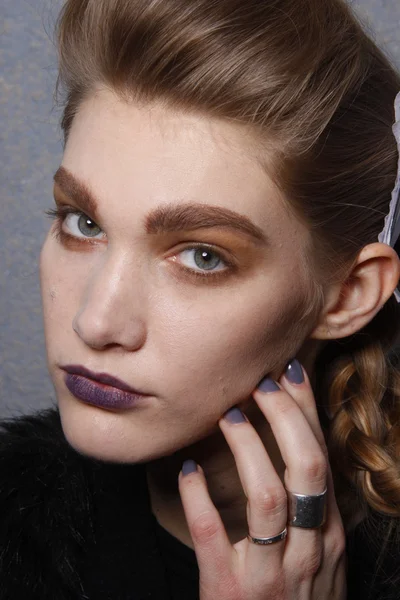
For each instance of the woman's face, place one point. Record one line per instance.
(188, 282)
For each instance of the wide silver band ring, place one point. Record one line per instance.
(306, 511)
(268, 540)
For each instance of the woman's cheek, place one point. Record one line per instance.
(62, 280)
(215, 344)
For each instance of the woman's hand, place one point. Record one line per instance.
(310, 563)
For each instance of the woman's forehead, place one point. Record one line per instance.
(151, 155)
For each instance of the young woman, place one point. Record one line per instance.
(220, 311)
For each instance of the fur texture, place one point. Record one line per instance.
(45, 504)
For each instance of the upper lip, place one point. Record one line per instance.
(101, 377)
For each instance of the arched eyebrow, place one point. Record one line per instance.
(167, 218)
(191, 216)
(77, 191)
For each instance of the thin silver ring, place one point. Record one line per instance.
(268, 540)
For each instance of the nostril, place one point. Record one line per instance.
(109, 330)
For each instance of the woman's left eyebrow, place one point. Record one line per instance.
(191, 216)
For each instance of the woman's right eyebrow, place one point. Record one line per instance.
(77, 191)
(169, 217)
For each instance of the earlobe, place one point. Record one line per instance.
(354, 303)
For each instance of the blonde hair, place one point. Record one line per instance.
(306, 78)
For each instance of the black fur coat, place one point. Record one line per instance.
(73, 528)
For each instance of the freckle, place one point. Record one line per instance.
(52, 294)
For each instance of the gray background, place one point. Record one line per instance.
(30, 152)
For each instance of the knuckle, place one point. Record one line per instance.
(205, 528)
(269, 502)
(314, 467)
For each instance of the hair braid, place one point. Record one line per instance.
(361, 390)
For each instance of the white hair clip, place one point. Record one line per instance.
(391, 231)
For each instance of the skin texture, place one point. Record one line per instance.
(129, 303)
(128, 307)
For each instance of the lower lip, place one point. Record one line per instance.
(98, 394)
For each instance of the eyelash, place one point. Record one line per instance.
(60, 213)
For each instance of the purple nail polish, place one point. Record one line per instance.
(235, 416)
(189, 466)
(268, 385)
(294, 372)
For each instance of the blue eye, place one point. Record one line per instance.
(202, 259)
(82, 224)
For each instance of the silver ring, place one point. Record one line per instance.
(306, 511)
(268, 540)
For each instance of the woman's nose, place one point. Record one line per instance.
(113, 307)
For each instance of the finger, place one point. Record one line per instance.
(306, 466)
(327, 546)
(267, 501)
(300, 554)
(296, 382)
(213, 549)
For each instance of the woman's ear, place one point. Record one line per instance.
(353, 303)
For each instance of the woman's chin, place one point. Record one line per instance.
(107, 436)
(138, 435)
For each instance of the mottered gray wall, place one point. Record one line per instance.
(30, 151)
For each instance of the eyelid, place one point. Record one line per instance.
(188, 245)
(62, 210)
(66, 209)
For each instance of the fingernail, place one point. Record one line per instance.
(189, 466)
(294, 372)
(268, 385)
(234, 416)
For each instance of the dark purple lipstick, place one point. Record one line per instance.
(100, 389)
